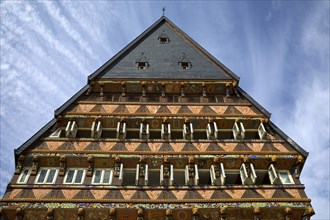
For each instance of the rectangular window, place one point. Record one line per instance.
(23, 178)
(46, 176)
(102, 176)
(285, 177)
(74, 176)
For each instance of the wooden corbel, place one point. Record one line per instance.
(287, 213)
(19, 214)
(123, 89)
(166, 167)
(101, 88)
(20, 164)
(273, 159)
(35, 165)
(90, 160)
(308, 213)
(112, 214)
(168, 214)
(140, 214)
(50, 214)
(117, 166)
(144, 90)
(182, 90)
(298, 165)
(89, 90)
(204, 90)
(195, 214)
(163, 90)
(81, 214)
(191, 166)
(142, 168)
(256, 213)
(223, 214)
(62, 165)
(216, 164)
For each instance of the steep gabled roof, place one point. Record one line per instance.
(163, 58)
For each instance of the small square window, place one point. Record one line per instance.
(75, 176)
(102, 176)
(185, 65)
(23, 178)
(163, 40)
(46, 176)
(142, 65)
(285, 177)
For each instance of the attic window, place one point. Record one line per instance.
(185, 65)
(142, 62)
(163, 38)
(142, 65)
(184, 62)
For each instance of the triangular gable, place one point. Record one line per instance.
(162, 65)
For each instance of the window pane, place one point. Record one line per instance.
(285, 178)
(23, 176)
(51, 176)
(42, 176)
(106, 178)
(69, 177)
(97, 176)
(79, 176)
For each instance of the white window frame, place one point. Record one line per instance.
(212, 175)
(222, 174)
(168, 131)
(236, 131)
(161, 178)
(121, 131)
(96, 129)
(262, 131)
(146, 130)
(273, 177)
(22, 173)
(171, 175)
(137, 174)
(242, 129)
(71, 129)
(245, 178)
(209, 132)
(121, 173)
(47, 174)
(186, 175)
(102, 177)
(196, 180)
(289, 176)
(56, 133)
(74, 176)
(185, 130)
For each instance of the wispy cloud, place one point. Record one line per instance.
(282, 57)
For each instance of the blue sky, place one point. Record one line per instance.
(280, 49)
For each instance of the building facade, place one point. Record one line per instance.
(162, 131)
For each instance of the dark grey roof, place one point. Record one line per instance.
(163, 59)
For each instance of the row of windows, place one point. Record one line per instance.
(166, 175)
(211, 132)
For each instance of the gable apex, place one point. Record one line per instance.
(163, 58)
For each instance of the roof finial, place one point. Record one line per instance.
(164, 10)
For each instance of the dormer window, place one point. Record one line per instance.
(142, 62)
(184, 63)
(163, 38)
(142, 65)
